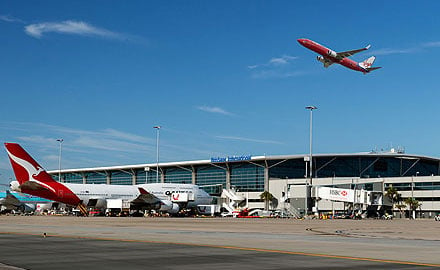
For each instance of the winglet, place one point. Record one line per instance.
(368, 46)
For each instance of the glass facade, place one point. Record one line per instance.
(373, 166)
(121, 178)
(211, 179)
(417, 186)
(247, 177)
(291, 168)
(141, 176)
(178, 176)
(96, 178)
(75, 178)
(152, 176)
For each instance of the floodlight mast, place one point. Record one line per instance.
(157, 151)
(311, 108)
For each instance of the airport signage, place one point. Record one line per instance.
(230, 159)
(336, 194)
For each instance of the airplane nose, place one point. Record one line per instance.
(300, 40)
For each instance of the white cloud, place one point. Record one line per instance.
(285, 59)
(432, 44)
(10, 19)
(110, 144)
(214, 110)
(277, 67)
(39, 140)
(389, 51)
(274, 62)
(74, 139)
(415, 49)
(234, 138)
(267, 74)
(71, 28)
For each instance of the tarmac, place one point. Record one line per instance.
(54, 242)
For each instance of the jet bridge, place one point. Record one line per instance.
(354, 196)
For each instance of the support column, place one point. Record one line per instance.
(109, 177)
(84, 178)
(266, 178)
(193, 176)
(162, 176)
(228, 178)
(133, 178)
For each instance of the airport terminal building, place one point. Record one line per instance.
(287, 179)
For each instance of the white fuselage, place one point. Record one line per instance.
(164, 192)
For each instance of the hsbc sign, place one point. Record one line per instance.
(336, 194)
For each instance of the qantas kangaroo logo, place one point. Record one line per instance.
(31, 170)
(175, 197)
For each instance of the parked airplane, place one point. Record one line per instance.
(12, 201)
(328, 57)
(34, 180)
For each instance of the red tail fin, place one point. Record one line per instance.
(25, 167)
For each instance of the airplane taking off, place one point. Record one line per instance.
(328, 57)
(34, 180)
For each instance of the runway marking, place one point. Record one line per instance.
(232, 247)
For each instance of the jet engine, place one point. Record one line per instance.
(332, 53)
(169, 206)
(320, 59)
(96, 203)
(15, 186)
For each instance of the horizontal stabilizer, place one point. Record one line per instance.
(373, 68)
(33, 185)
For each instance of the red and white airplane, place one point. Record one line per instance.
(328, 57)
(33, 179)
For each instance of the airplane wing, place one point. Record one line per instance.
(10, 200)
(145, 197)
(327, 64)
(341, 55)
(324, 60)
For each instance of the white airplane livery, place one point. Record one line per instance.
(34, 180)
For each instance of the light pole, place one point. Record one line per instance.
(59, 158)
(157, 152)
(412, 195)
(311, 108)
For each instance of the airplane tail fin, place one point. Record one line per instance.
(26, 169)
(368, 63)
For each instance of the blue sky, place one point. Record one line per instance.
(221, 78)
